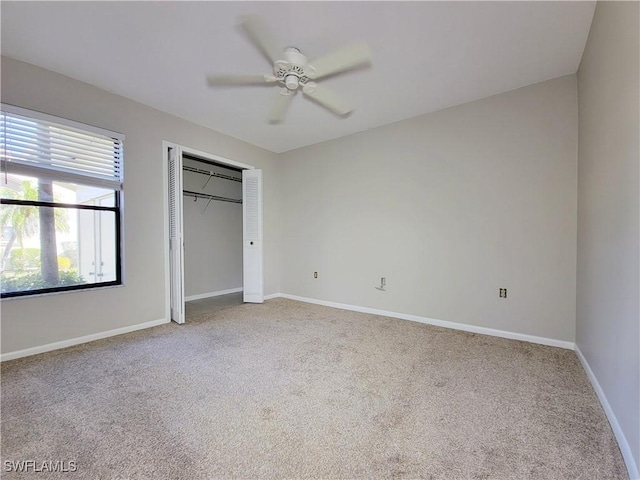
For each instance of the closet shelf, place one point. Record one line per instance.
(211, 174)
(196, 195)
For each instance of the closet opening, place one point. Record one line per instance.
(214, 231)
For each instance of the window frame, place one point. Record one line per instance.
(117, 207)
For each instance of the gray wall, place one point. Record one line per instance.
(212, 233)
(29, 322)
(449, 207)
(608, 316)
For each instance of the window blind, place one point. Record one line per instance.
(39, 145)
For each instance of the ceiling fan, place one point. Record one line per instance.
(292, 71)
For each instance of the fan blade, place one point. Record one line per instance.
(280, 106)
(326, 98)
(343, 59)
(262, 36)
(222, 80)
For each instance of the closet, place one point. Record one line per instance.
(212, 228)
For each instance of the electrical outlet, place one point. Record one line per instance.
(503, 293)
(315, 274)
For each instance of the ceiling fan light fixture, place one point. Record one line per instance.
(291, 81)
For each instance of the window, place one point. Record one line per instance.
(60, 204)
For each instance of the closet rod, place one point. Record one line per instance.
(211, 174)
(197, 195)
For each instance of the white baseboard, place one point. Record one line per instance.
(212, 294)
(627, 454)
(78, 340)
(432, 321)
(272, 295)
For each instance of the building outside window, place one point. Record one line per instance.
(60, 204)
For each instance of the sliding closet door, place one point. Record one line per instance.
(253, 284)
(176, 240)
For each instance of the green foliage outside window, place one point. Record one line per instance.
(35, 281)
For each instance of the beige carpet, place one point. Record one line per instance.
(290, 390)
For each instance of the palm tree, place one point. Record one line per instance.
(22, 219)
(48, 243)
(27, 220)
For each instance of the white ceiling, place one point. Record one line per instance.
(426, 56)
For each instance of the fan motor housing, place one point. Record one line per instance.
(293, 56)
(294, 70)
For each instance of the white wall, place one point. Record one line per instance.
(212, 233)
(608, 310)
(449, 207)
(29, 322)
